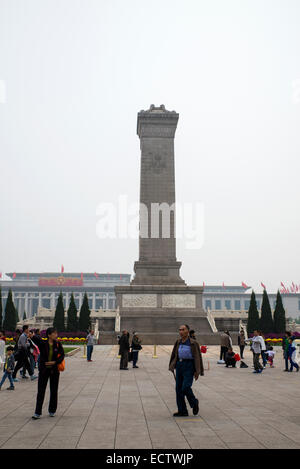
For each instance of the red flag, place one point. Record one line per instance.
(223, 285)
(81, 276)
(0, 274)
(203, 284)
(14, 275)
(62, 269)
(297, 289)
(96, 275)
(264, 286)
(121, 277)
(244, 285)
(282, 284)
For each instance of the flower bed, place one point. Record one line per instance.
(63, 340)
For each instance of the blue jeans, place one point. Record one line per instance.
(89, 351)
(286, 359)
(135, 356)
(264, 358)
(9, 376)
(184, 379)
(293, 364)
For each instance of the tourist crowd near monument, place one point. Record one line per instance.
(156, 308)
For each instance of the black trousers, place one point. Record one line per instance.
(223, 352)
(22, 362)
(242, 350)
(53, 376)
(124, 359)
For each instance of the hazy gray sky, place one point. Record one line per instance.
(75, 75)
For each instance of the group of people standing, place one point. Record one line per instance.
(124, 349)
(259, 350)
(30, 351)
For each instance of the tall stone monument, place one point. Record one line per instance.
(158, 299)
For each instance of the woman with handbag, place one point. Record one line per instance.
(135, 348)
(51, 364)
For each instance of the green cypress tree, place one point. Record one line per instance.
(279, 315)
(17, 316)
(59, 316)
(10, 318)
(84, 315)
(24, 316)
(253, 316)
(72, 322)
(266, 319)
(1, 310)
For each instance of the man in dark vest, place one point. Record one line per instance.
(186, 358)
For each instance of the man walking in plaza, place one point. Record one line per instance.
(285, 348)
(257, 346)
(90, 340)
(186, 358)
(22, 355)
(124, 350)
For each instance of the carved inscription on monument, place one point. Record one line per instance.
(179, 301)
(143, 300)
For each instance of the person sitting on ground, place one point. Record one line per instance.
(8, 368)
(270, 354)
(229, 358)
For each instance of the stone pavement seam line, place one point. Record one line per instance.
(20, 428)
(117, 413)
(79, 392)
(206, 424)
(143, 409)
(104, 380)
(258, 417)
(161, 398)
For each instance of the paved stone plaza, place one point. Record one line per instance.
(103, 407)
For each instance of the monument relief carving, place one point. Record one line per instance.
(143, 300)
(179, 301)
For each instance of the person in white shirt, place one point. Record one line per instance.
(257, 345)
(263, 349)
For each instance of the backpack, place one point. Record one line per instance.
(243, 365)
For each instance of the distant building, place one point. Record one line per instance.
(32, 291)
(217, 298)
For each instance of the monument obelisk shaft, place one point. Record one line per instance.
(157, 301)
(157, 263)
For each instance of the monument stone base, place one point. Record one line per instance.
(157, 311)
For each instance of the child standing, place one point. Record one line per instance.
(270, 354)
(9, 368)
